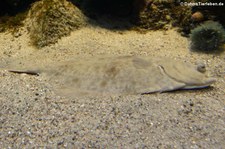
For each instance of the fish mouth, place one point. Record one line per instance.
(206, 84)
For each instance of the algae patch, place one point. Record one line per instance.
(12, 22)
(209, 37)
(49, 20)
(163, 15)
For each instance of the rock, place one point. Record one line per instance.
(49, 20)
(197, 16)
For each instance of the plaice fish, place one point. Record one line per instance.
(121, 75)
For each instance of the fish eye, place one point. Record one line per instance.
(201, 68)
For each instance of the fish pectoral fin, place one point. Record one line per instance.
(164, 84)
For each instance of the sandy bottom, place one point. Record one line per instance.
(33, 115)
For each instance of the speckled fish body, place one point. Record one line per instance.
(128, 74)
(122, 75)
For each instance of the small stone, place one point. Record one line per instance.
(17, 34)
(168, 17)
(197, 16)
